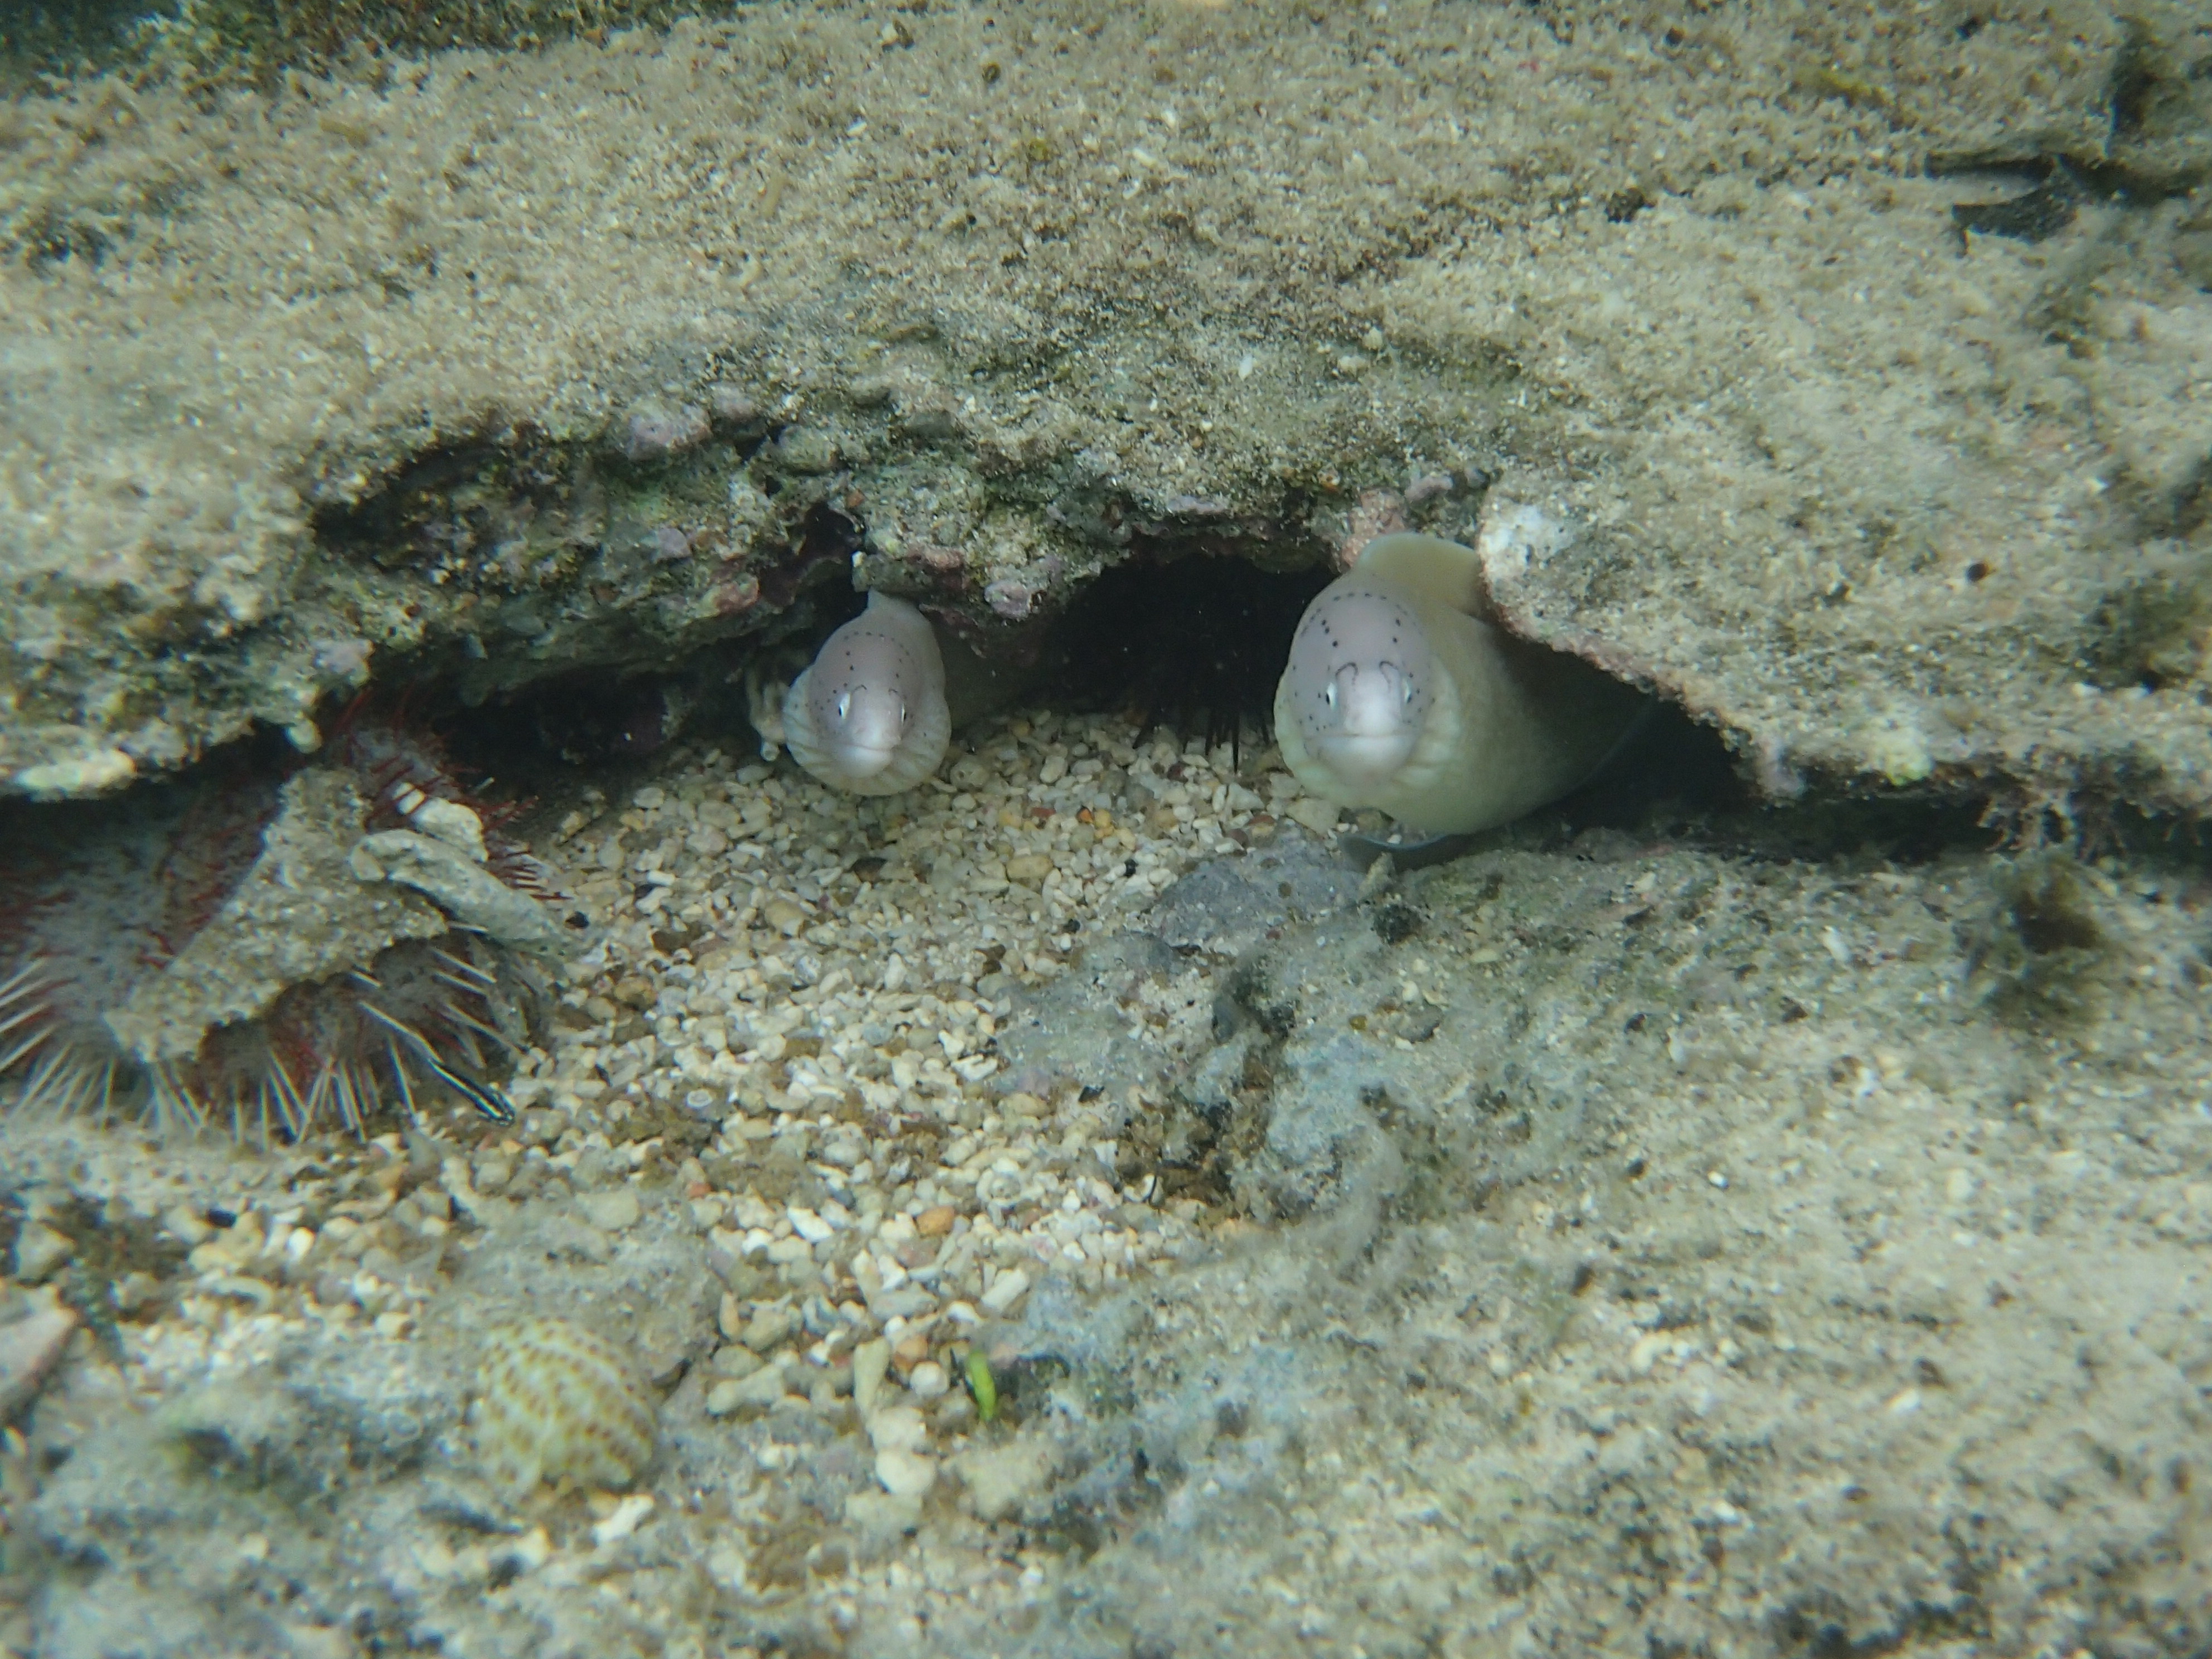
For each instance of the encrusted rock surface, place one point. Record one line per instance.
(502, 365)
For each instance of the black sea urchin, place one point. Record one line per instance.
(1194, 644)
(278, 952)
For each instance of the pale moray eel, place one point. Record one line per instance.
(1403, 694)
(868, 714)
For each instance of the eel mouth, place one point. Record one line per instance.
(1365, 759)
(865, 760)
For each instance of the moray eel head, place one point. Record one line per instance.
(1360, 681)
(858, 696)
(868, 716)
(1402, 695)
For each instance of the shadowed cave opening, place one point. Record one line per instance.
(108, 893)
(1188, 646)
(1191, 646)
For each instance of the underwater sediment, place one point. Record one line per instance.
(1068, 1208)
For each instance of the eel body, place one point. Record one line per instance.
(1401, 694)
(868, 714)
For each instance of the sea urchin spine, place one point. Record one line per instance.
(279, 956)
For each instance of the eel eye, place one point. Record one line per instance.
(1329, 694)
(844, 705)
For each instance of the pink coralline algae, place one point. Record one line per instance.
(1379, 513)
(1015, 597)
(1430, 487)
(736, 597)
(1012, 599)
(655, 431)
(670, 545)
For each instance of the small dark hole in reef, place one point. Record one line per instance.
(2138, 79)
(2050, 916)
(1396, 922)
(1025, 1385)
(590, 718)
(1673, 763)
(1623, 205)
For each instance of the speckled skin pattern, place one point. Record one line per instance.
(556, 1403)
(868, 716)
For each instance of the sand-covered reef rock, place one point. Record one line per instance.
(498, 365)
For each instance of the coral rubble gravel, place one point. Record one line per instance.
(1630, 1233)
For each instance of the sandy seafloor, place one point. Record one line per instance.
(1696, 1228)
(1718, 1238)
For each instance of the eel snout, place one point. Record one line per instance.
(863, 721)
